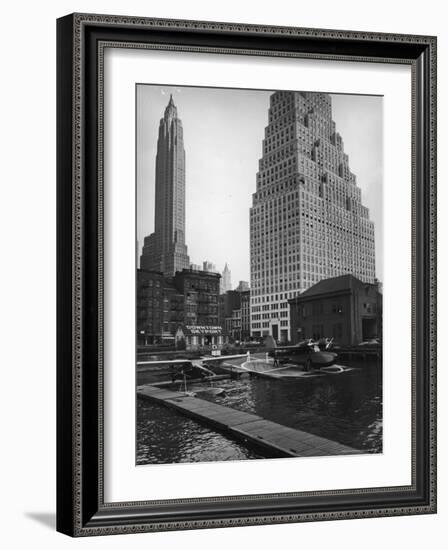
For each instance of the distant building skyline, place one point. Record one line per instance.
(209, 266)
(223, 123)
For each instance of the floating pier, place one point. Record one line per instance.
(277, 439)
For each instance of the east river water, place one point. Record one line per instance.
(345, 408)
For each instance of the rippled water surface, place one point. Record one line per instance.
(164, 436)
(345, 408)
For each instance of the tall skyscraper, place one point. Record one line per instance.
(226, 280)
(165, 249)
(307, 221)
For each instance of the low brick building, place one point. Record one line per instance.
(164, 303)
(343, 308)
(201, 292)
(149, 307)
(160, 308)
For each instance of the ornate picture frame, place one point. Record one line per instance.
(81, 43)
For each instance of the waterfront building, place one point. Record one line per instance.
(173, 309)
(194, 337)
(200, 290)
(149, 307)
(164, 303)
(226, 280)
(160, 308)
(307, 220)
(343, 308)
(201, 328)
(165, 250)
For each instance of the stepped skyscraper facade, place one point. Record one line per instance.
(307, 220)
(165, 249)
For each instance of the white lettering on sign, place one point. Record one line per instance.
(195, 329)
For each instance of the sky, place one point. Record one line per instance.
(223, 133)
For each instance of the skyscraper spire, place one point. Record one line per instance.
(165, 249)
(226, 282)
(171, 109)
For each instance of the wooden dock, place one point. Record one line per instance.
(278, 440)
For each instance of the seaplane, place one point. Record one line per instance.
(310, 354)
(190, 370)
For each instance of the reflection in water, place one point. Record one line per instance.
(345, 408)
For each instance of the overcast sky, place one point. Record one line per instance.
(223, 133)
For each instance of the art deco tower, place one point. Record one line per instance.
(165, 249)
(307, 221)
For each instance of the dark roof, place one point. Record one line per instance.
(327, 286)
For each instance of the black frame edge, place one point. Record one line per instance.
(98, 518)
(65, 497)
(425, 271)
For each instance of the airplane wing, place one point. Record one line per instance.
(222, 357)
(190, 361)
(167, 362)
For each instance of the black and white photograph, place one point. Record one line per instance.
(225, 217)
(259, 274)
